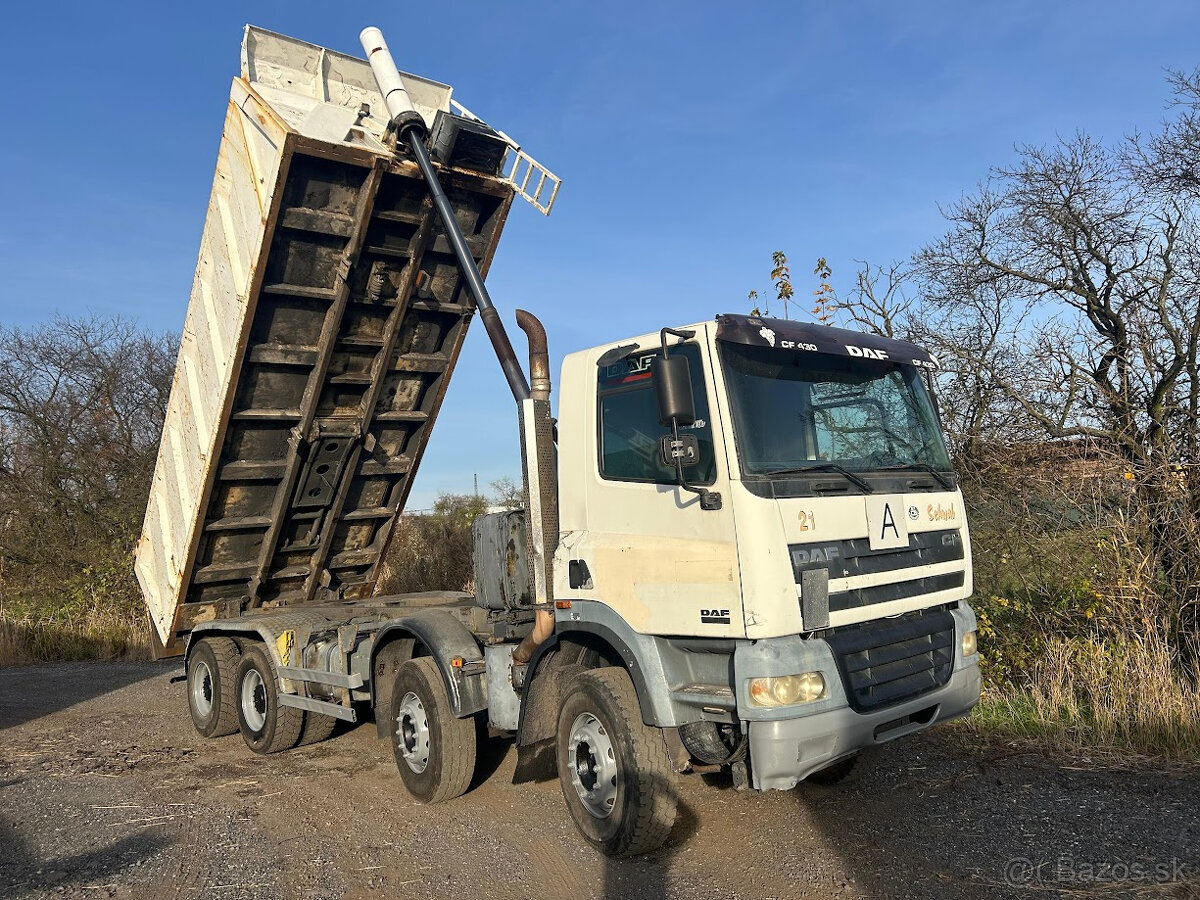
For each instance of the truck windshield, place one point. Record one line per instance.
(796, 409)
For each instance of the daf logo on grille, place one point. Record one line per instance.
(816, 554)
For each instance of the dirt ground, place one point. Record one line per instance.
(107, 791)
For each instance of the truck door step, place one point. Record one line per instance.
(705, 695)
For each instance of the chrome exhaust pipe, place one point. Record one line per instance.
(541, 486)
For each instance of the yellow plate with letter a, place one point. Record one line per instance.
(887, 526)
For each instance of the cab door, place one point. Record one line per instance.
(652, 553)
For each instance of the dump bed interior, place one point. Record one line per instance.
(326, 318)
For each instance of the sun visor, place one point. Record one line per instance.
(784, 334)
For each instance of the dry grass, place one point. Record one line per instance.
(95, 615)
(1085, 697)
(1084, 635)
(96, 636)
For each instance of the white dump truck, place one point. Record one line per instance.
(743, 546)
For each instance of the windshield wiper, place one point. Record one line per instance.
(825, 467)
(925, 467)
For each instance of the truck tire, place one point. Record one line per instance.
(615, 771)
(266, 726)
(435, 750)
(316, 728)
(707, 742)
(212, 700)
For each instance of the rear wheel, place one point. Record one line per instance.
(210, 685)
(615, 771)
(435, 750)
(266, 726)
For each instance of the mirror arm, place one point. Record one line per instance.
(708, 499)
(662, 336)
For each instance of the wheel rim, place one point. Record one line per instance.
(412, 732)
(202, 689)
(254, 700)
(593, 765)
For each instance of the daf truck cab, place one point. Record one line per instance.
(796, 591)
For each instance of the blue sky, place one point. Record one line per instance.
(693, 140)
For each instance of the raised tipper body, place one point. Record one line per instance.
(326, 317)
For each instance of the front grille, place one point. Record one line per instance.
(896, 590)
(892, 660)
(844, 559)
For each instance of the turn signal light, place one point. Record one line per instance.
(970, 643)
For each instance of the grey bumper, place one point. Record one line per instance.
(783, 752)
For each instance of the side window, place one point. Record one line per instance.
(628, 422)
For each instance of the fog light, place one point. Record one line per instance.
(969, 643)
(785, 690)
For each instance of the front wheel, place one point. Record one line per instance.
(435, 750)
(615, 771)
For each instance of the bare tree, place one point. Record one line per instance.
(975, 339)
(1083, 266)
(1170, 159)
(881, 301)
(1103, 274)
(507, 493)
(81, 410)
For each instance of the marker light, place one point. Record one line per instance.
(785, 690)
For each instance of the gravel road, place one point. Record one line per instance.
(106, 791)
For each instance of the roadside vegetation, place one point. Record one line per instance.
(81, 407)
(431, 551)
(1086, 645)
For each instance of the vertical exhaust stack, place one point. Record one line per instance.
(540, 468)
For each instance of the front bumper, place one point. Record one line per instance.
(783, 752)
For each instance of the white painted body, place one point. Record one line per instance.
(214, 333)
(657, 559)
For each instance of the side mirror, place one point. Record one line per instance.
(672, 379)
(673, 385)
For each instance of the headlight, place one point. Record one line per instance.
(970, 643)
(784, 690)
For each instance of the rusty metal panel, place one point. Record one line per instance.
(501, 560)
(324, 323)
